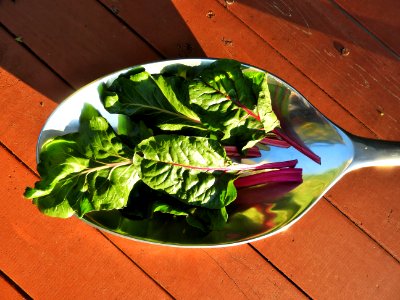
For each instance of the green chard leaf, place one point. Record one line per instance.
(145, 202)
(225, 101)
(187, 168)
(84, 171)
(208, 219)
(144, 171)
(132, 133)
(158, 96)
(264, 105)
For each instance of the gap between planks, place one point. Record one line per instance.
(360, 25)
(361, 229)
(135, 263)
(42, 61)
(132, 30)
(99, 231)
(279, 271)
(15, 286)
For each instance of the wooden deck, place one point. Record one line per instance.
(342, 55)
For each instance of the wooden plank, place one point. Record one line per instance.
(93, 43)
(223, 273)
(53, 258)
(310, 35)
(379, 17)
(332, 259)
(23, 117)
(7, 291)
(176, 39)
(18, 61)
(356, 196)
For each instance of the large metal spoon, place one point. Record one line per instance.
(264, 214)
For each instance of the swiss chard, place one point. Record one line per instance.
(158, 96)
(188, 168)
(226, 103)
(215, 112)
(84, 171)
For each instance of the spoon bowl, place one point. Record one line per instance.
(264, 214)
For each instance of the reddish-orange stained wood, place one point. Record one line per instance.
(54, 258)
(381, 219)
(23, 65)
(312, 35)
(332, 259)
(369, 197)
(7, 291)
(225, 273)
(82, 42)
(23, 117)
(379, 17)
(176, 39)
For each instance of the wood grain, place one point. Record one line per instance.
(355, 196)
(332, 259)
(225, 273)
(369, 14)
(23, 117)
(26, 67)
(50, 258)
(169, 34)
(89, 32)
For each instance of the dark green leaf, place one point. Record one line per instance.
(225, 102)
(264, 105)
(159, 97)
(85, 171)
(188, 169)
(132, 132)
(202, 218)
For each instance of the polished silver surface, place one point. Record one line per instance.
(266, 213)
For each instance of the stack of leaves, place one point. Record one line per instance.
(173, 150)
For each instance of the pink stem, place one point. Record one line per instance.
(302, 148)
(275, 142)
(283, 175)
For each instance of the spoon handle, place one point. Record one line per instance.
(370, 153)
